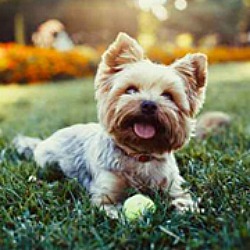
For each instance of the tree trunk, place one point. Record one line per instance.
(19, 28)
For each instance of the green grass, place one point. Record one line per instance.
(56, 215)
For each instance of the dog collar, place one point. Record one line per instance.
(143, 158)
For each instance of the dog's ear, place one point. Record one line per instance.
(193, 69)
(123, 51)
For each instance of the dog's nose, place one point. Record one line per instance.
(148, 107)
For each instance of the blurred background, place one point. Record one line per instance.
(43, 40)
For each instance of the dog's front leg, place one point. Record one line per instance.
(182, 200)
(106, 191)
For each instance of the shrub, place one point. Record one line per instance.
(25, 64)
(215, 55)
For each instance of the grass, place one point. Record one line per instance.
(58, 215)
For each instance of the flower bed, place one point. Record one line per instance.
(23, 64)
(215, 55)
(26, 64)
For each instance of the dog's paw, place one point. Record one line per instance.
(185, 204)
(25, 145)
(111, 211)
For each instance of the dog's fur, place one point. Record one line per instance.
(212, 123)
(130, 147)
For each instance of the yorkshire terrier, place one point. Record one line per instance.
(146, 112)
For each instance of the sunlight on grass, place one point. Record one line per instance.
(230, 72)
(32, 109)
(10, 94)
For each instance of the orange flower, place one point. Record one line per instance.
(26, 64)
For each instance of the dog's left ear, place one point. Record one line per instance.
(123, 51)
(193, 69)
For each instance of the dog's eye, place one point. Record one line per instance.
(168, 96)
(131, 90)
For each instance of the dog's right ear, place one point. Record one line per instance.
(123, 51)
(193, 69)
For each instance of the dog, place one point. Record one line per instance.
(146, 112)
(212, 123)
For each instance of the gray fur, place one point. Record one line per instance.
(89, 154)
(82, 150)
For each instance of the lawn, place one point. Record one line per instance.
(46, 214)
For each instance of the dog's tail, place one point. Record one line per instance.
(212, 123)
(25, 145)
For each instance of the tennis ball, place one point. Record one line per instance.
(136, 206)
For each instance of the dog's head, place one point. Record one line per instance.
(147, 107)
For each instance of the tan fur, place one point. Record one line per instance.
(212, 123)
(193, 69)
(123, 65)
(110, 156)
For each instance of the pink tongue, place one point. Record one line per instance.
(144, 131)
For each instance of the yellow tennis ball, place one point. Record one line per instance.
(136, 206)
